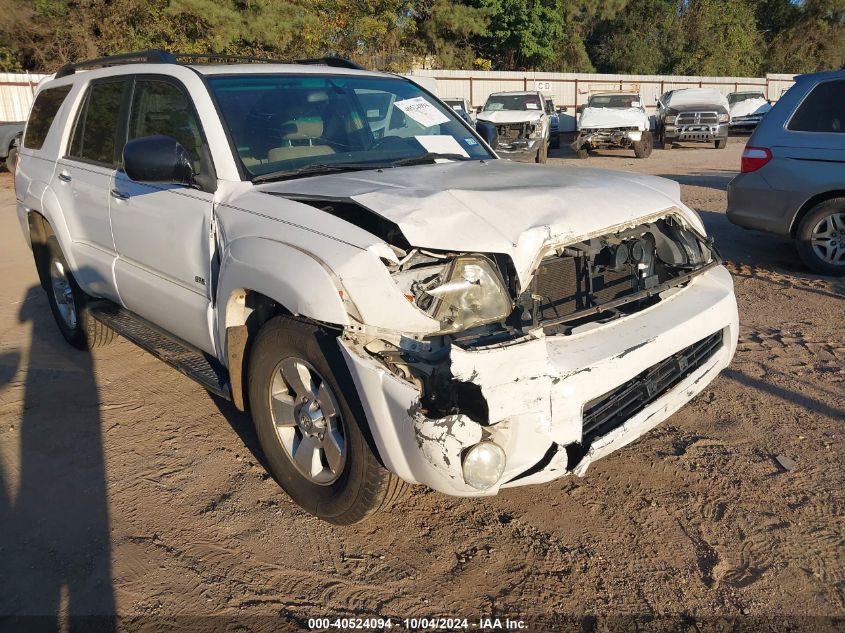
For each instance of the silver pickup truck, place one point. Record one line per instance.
(340, 254)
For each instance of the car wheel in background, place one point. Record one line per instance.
(664, 143)
(582, 153)
(311, 425)
(68, 302)
(820, 238)
(12, 160)
(542, 153)
(721, 143)
(643, 147)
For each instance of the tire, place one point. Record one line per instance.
(824, 224)
(68, 302)
(664, 143)
(721, 143)
(12, 160)
(582, 153)
(358, 485)
(643, 147)
(542, 153)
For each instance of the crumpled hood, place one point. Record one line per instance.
(750, 106)
(613, 117)
(510, 116)
(495, 206)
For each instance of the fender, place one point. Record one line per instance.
(292, 277)
(40, 198)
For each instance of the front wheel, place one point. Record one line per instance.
(542, 153)
(821, 238)
(721, 143)
(311, 425)
(643, 147)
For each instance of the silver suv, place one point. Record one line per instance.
(337, 252)
(792, 179)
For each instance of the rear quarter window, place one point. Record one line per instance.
(823, 110)
(44, 110)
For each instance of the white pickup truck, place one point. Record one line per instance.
(613, 119)
(339, 253)
(522, 125)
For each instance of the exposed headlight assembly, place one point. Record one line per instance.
(469, 293)
(535, 130)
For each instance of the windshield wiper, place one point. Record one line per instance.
(428, 157)
(313, 170)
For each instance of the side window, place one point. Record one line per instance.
(160, 107)
(823, 110)
(95, 134)
(44, 110)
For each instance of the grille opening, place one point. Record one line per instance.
(612, 409)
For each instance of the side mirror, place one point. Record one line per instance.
(159, 159)
(479, 109)
(488, 132)
(580, 109)
(561, 109)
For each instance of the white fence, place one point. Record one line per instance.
(573, 89)
(16, 91)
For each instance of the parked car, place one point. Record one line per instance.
(792, 179)
(463, 109)
(613, 119)
(747, 109)
(391, 308)
(10, 136)
(554, 122)
(693, 115)
(522, 125)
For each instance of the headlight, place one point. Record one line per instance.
(472, 294)
(536, 130)
(671, 119)
(724, 118)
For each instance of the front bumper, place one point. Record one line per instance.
(698, 133)
(621, 137)
(745, 122)
(522, 150)
(536, 389)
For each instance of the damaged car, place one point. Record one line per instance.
(747, 110)
(390, 301)
(693, 115)
(523, 128)
(614, 120)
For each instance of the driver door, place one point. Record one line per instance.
(162, 233)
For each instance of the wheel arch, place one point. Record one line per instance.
(255, 285)
(809, 205)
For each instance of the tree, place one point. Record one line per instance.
(815, 39)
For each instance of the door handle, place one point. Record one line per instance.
(115, 193)
(64, 176)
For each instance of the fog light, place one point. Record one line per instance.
(484, 464)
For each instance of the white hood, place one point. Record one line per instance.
(510, 116)
(750, 106)
(496, 206)
(613, 117)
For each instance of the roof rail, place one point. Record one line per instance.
(158, 56)
(151, 56)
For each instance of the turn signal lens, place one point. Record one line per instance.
(753, 158)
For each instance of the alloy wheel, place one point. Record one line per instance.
(828, 239)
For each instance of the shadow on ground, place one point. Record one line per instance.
(55, 563)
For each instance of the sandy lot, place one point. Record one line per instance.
(125, 488)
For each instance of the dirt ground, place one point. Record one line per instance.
(125, 488)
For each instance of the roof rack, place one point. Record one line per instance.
(158, 56)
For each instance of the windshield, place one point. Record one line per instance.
(738, 97)
(286, 123)
(513, 102)
(613, 101)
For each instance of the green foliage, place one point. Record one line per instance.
(710, 37)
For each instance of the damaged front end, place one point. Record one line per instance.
(528, 379)
(623, 137)
(519, 141)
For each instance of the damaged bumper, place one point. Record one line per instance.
(622, 137)
(556, 403)
(523, 150)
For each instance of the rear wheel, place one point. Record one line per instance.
(68, 302)
(542, 153)
(821, 238)
(643, 147)
(721, 143)
(582, 153)
(311, 425)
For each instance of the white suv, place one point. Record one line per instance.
(339, 253)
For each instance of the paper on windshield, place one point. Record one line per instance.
(422, 111)
(441, 144)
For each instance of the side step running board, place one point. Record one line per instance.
(195, 364)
